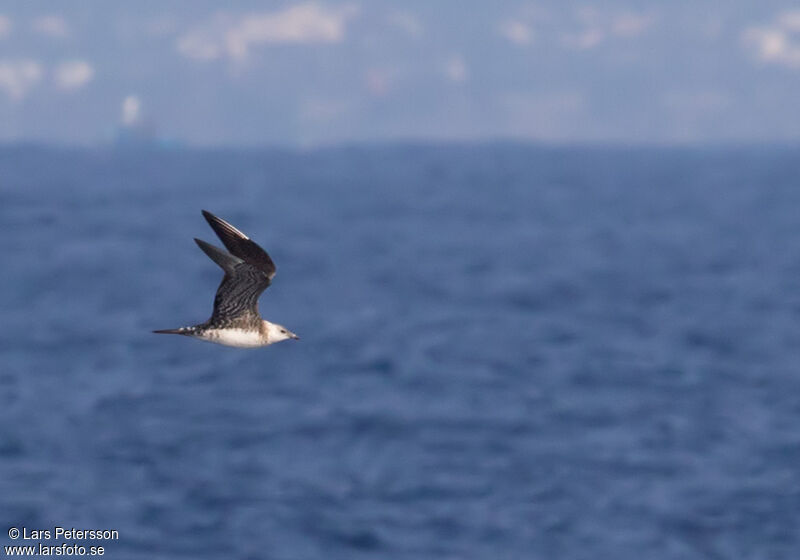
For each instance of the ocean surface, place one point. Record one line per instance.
(508, 352)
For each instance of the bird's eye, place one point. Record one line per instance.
(284, 332)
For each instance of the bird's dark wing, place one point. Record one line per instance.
(240, 245)
(236, 302)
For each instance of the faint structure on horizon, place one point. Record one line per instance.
(135, 130)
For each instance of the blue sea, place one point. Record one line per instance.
(508, 351)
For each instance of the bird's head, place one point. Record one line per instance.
(276, 332)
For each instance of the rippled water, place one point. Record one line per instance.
(507, 352)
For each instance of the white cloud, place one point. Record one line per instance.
(199, 46)
(597, 27)
(456, 69)
(518, 32)
(131, 110)
(73, 74)
(778, 43)
(586, 39)
(630, 24)
(407, 22)
(51, 26)
(17, 77)
(304, 23)
(5, 26)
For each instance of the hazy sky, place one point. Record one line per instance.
(299, 73)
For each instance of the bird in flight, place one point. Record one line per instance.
(248, 272)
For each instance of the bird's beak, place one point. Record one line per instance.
(294, 336)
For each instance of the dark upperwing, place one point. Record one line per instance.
(240, 245)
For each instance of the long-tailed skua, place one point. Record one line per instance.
(248, 272)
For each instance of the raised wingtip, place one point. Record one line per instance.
(240, 245)
(211, 218)
(213, 221)
(225, 231)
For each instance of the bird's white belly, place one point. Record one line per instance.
(239, 338)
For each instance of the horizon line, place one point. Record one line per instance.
(168, 145)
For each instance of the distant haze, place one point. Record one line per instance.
(305, 73)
